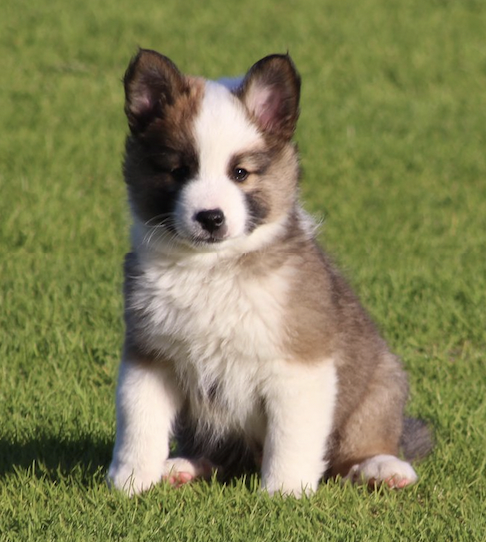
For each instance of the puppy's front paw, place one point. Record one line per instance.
(383, 469)
(177, 471)
(287, 491)
(131, 481)
(294, 487)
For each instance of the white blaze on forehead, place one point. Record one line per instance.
(222, 130)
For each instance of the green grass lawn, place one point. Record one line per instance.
(393, 142)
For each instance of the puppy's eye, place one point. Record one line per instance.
(240, 174)
(180, 173)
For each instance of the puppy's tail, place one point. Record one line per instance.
(417, 439)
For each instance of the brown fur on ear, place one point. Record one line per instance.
(271, 92)
(152, 82)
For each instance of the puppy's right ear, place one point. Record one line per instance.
(152, 82)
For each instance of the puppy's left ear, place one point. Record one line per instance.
(271, 91)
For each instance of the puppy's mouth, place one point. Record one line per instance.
(201, 241)
(209, 238)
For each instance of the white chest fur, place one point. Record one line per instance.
(220, 326)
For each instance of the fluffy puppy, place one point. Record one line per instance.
(243, 341)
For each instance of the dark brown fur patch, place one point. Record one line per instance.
(161, 105)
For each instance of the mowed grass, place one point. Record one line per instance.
(393, 142)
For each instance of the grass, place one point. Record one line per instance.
(392, 136)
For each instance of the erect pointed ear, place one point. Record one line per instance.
(152, 82)
(271, 91)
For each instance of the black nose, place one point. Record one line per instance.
(211, 220)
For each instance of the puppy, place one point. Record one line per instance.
(243, 342)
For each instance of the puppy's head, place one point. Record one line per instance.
(208, 167)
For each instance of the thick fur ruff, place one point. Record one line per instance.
(243, 341)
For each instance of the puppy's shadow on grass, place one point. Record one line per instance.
(56, 458)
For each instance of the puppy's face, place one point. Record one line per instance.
(206, 166)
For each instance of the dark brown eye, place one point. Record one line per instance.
(180, 173)
(240, 174)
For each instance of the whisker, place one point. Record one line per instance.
(158, 218)
(160, 232)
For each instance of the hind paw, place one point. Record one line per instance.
(383, 469)
(179, 471)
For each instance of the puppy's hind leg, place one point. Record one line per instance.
(179, 470)
(415, 443)
(383, 469)
(368, 443)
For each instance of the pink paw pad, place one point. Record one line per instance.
(180, 471)
(398, 483)
(383, 469)
(179, 479)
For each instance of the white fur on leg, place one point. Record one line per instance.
(147, 402)
(386, 469)
(300, 404)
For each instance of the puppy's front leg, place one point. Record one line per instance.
(147, 403)
(300, 402)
